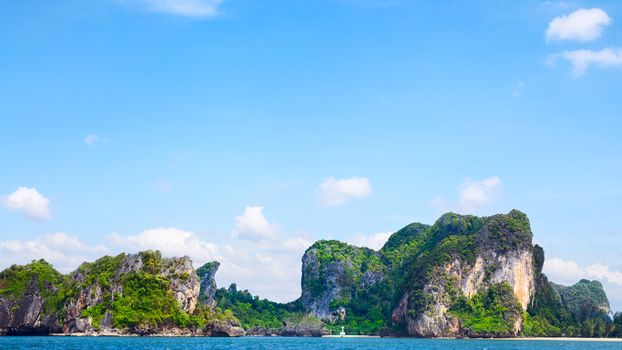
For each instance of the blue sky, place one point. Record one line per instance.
(243, 130)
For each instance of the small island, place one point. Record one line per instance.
(464, 277)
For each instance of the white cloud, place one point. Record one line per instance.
(374, 241)
(91, 139)
(581, 60)
(581, 25)
(474, 195)
(64, 251)
(602, 272)
(563, 271)
(186, 8)
(253, 225)
(170, 241)
(270, 269)
(29, 202)
(334, 192)
(269, 265)
(569, 272)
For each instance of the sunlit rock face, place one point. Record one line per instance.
(427, 269)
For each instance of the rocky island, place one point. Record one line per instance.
(463, 276)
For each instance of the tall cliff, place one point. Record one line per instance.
(128, 294)
(462, 276)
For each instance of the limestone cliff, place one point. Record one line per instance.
(207, 274)
(471, 256)
(337, 272)
(128, 294)
(425, 277)
(24, 305)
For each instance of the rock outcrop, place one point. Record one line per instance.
(462, 276)
(500, 251)
(583, 298)
(333, 270)
(207, 274)
(424, 275)
(24, 305)
(142, 294)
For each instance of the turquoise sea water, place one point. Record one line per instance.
(88, 343)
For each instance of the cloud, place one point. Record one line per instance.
(374, 241)
(170, 241)
(268, 268)
(581, 25)
(555, 5)
(186, 8)
(333, 192)
(581, 60)
(474, 195)
(253, 225)
(568, 272)
(91, 140)
(29, 202)
(66, 252)
(603, 272)
(563, 271)
(518, 89)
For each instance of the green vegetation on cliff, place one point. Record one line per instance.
(420, 267)
(14, 280)
(255, 312)
(617, 325)
(490, 312)
(145, 299)
(363, 291)
(132, 292)
(397, 290)
(578, 310)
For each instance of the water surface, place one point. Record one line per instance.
(260, 343)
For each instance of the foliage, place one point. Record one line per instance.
(508, 232)
(14, 280)
(539, 326)
(145, 299)
(489, 312)
(617, 325)
(254, 312)
(577, 310)
(208, 268)
(101, 271)
(584, 299)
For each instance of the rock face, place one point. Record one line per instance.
(208, 288)
(422, 272)
(140, 293)
(183, 285)
(583, 298)
(503, 254)
(25, 315)
(336, 271)
(23, 309)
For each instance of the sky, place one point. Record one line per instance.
(244, 130)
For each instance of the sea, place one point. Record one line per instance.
(279, 343)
